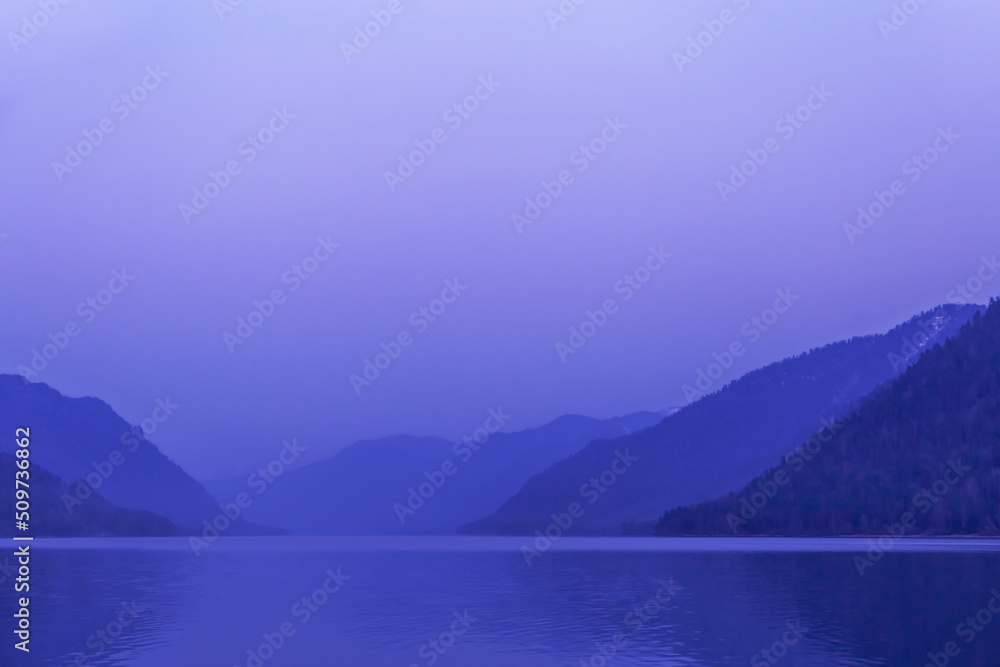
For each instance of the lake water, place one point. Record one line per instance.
(721, 602)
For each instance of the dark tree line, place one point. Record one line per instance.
(926, 446)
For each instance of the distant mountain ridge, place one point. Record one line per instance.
(414, 485)
(516, 480)
(48, 516)
(75, 438)
(723, 440)
(921, 456)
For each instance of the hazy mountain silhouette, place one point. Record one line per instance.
(356, 492)
(74, 437)
(720, 442)
(49, 517)
(927, 445)
(404, 484)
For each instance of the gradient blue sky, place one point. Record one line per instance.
(495, 346)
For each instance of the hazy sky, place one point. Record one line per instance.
(329, 122)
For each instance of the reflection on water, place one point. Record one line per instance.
(467, 601)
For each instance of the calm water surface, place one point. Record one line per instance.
(732, 599)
